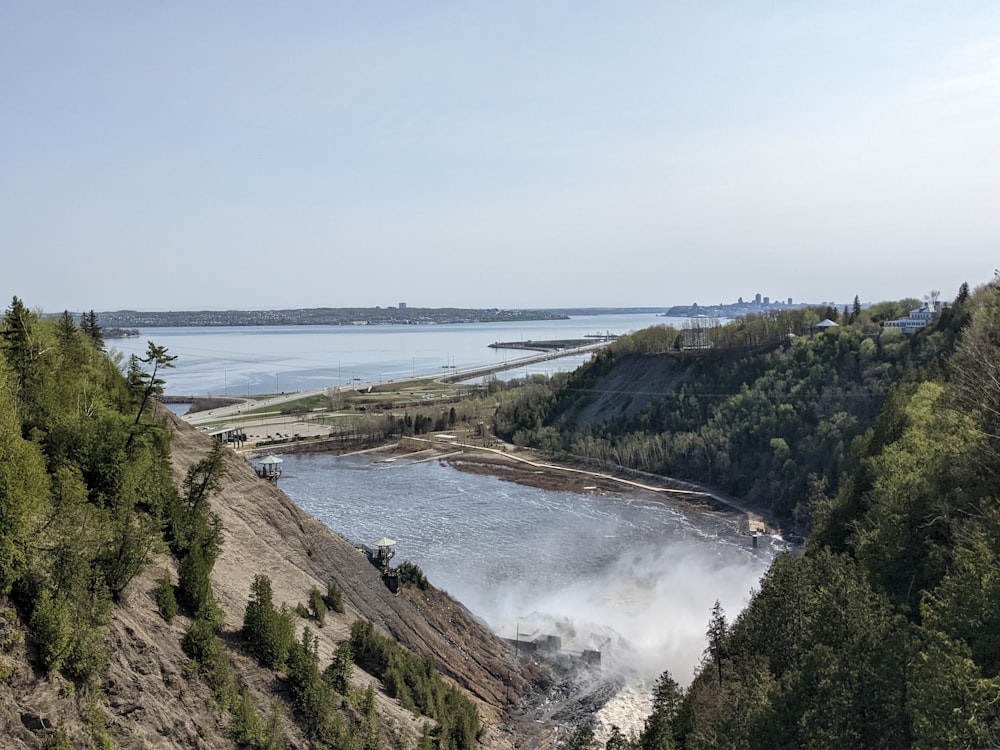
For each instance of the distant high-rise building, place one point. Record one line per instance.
(767, 300)
(402, 305)
(756, 299)
(740, 301)
(789, 301)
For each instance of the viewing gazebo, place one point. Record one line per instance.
(269, 468)
(385, 551)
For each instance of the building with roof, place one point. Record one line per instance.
(918, 318)
(825, 325)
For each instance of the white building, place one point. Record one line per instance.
(917, 319)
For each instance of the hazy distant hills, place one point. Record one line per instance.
(335, 316)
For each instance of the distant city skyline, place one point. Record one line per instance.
(515, 155)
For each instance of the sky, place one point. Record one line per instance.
(251, 155)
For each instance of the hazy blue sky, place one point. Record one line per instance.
(511, 154)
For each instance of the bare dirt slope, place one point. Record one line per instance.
(148, 702)
(626, 389)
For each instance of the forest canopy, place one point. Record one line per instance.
(885, 631)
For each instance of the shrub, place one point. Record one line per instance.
(212, 664)
(59, 741)
(334, 598)
(312, 695)
(317, 606)
(416, 683)
(269, 633)
(247, 726)
(194, 586)
(166, 602)
(411, 573)
(199, 642)
(51, 630)
(338, 674)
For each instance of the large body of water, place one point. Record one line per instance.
(238, 361)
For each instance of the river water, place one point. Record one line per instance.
(634, 576)
(246, 361)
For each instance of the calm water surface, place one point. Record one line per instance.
(242, 361)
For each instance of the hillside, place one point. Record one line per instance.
(150, 702)
(885, 631)
(766, 408)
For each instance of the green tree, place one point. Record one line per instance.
(166, 601)
(145, 383)
(617, 740)
(950, 703)
(24, 490)
(658, 731)
(338, 674)
(334, 598)
(51, 630)
(93, 331)
(22, 350)
(269, 633)
(582, 738)
(247, 725)
(317, 607)
(717, 636)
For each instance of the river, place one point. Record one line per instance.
(235, 361)
(634, 576)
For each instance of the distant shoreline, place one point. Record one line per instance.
(330, 316)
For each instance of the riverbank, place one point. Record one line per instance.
(527, 467)
(530, 469)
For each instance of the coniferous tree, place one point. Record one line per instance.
(658, 732)
(22, 351)
(269, 633)
(93, 331)
(150, 382)
(717, 632)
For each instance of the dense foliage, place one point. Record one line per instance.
(885, 632)
(87, 498)
(417, 685)
(766, 408)
(85, 483)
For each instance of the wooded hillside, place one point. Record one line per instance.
(885, 631)
(766, 408)
(135, 554)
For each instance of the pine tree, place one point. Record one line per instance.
(21, 350)
(717, 638)
(151, 384)
(93, 331)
